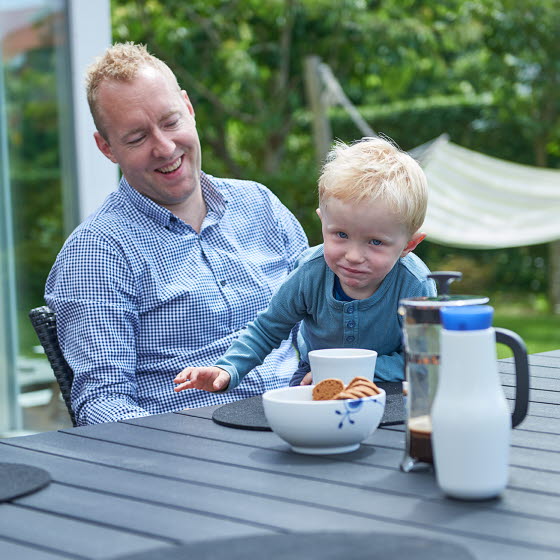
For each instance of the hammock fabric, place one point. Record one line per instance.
(478, 201)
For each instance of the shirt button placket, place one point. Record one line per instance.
(349, 324)
(220, 274)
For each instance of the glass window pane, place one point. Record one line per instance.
(35, 84)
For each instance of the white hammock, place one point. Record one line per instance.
(482, 202)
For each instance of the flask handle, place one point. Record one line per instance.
(515, 342)
(443, 280)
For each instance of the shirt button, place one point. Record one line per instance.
(222, 282)
(350, 309)
(350, 324)
(349, 339)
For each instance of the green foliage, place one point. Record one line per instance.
(242, 64)
(523, 68)
(485, 72)
(35, 175)
(519, 271)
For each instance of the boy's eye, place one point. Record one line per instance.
(376, 242)
(342, 235)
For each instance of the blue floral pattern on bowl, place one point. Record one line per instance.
(352, 407)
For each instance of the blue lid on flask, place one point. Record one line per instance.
(467, 318)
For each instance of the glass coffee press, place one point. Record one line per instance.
(421, 331)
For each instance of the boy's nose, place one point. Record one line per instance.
(354, 254)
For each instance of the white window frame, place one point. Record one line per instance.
(89, 36)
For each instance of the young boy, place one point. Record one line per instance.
(372, 202)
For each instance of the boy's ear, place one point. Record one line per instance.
(414, 241)
(319, 214)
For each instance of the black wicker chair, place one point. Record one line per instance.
(43, 320)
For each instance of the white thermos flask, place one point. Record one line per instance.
(471, 421)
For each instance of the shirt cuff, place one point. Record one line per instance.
(234, 379)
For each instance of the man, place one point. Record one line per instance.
(173, 265)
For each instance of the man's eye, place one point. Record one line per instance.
(172, 124)
(342, 235)
(376, 242)
(136, 140)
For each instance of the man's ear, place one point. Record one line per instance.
(414, 241)
(190, 107)
(104, 146)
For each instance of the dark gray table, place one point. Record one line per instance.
(171, 479)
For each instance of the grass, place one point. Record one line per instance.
(539, 329)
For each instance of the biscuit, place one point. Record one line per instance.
(359, 379)
(354, 393)
(360, 391)
(327, 389)
(363, 382)
(358, 388)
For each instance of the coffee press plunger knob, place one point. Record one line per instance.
(443, 280)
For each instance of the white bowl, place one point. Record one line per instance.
(321, 427)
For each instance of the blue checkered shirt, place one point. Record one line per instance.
(139, 295)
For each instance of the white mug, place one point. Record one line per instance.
(342, 363)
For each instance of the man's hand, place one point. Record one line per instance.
(307, 380)
(205, 378)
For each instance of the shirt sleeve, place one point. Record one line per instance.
(97, 321)
(389, 367)
(272, 326)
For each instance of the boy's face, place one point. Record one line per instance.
(362, 243)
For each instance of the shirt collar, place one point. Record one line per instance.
(215, 202)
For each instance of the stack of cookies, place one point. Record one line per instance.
(334, 389)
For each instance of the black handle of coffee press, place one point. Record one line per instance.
(443, 280)
(515, 342)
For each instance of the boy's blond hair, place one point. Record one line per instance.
(375, 168)
(120, 62)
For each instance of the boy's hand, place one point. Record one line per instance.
(205, 378)
(307, 380)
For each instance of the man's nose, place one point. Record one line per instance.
(163, 146)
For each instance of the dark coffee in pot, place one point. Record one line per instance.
(420, 439)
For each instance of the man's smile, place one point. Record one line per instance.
(171, 167)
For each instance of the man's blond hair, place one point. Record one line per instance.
(120, 62)
(375, 168)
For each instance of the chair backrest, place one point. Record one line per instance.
(43, 320)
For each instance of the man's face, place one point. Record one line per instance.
(151, 134)
(362, 243)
